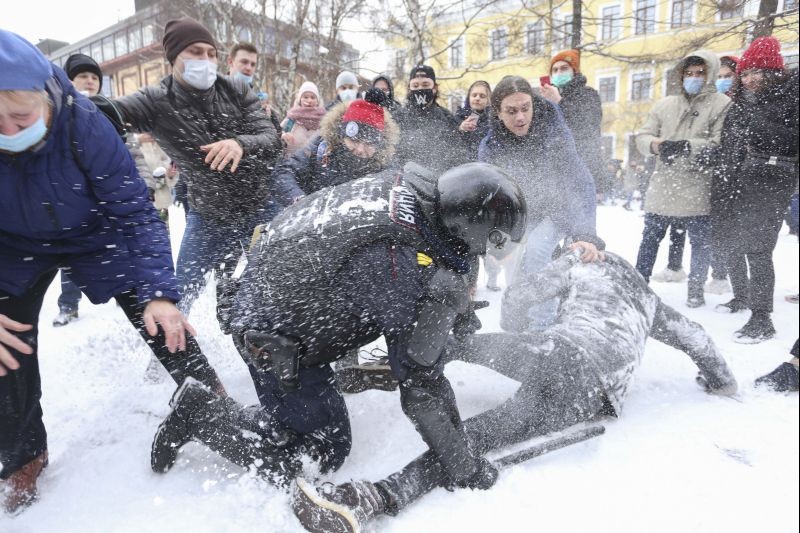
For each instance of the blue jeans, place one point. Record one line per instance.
(699, 230)
(70, 294)
(541, 241)
(213, 244)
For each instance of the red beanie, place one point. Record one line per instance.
(365, 113)
(763, 53)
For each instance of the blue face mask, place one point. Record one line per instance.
(693, 85)
(24, 139)
(244, 77)
(724, 85)
(560, 80)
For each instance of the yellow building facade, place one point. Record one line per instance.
(629, 48)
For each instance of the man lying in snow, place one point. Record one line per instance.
(578, 370)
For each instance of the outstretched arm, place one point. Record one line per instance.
(674, 329)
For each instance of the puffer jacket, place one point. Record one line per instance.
(554, 179)
(182, 121)
(583, 113)
(429, 137)
(77, 200)
(683, 188)
(325, 161)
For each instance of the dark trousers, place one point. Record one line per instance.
(698, 228)
(677, 242)
(22, 432)
(70, 294)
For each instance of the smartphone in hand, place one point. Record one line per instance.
(287, 128)
(544, 80)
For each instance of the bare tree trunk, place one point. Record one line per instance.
(766, 18)
(577, 23)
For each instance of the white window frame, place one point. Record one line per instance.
(692, 21)
(462, 46)
(652, 84)
(603, 75)
(718, 13)
(633, 20)
(528, 26)
(558, 23)
(621, 19)
(491, 43)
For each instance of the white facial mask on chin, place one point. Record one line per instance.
(199, 73)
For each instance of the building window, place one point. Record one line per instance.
(121, 43)
(788, 5)
(108, 48)
(148, 35)
(612, 22)
(457, 53)
(562, 33)
(674, 82)
(730, 9)
(534, 38)
(641, 82)
(608, 89)
(682, 13)
(498, 41)
(97, 52)
(607, 146)
(645, 15)
(134, 38)
(790, 62)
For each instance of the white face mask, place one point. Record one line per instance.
(199, 73)
(348, 95)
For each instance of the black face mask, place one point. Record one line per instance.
(356, 166)
(420, 97)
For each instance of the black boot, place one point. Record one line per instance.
(344, 508)
(696, 297)
(758, 329)
(734, 306)
(785, 378)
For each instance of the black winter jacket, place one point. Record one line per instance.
(583, 113)
(429, 137)
(472, 139)
(182, 121)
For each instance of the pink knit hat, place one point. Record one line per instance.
(308, 87)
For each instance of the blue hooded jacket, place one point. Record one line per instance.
(81, 206)
(545, 162)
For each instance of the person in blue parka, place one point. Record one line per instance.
(70, 197)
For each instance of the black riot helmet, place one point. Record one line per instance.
(479, 203)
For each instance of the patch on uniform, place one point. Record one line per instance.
(424, 260)
(403, 206)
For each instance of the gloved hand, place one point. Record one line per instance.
(668, 151)
(484, 477)
(722, 389)
(467, 323)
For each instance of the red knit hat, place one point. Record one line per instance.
(763, 53)
(363, 121)
(573, 57)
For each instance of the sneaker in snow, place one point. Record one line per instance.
(65, 317)
(344, 508)
(758, 329)
(669, 276)
(694, 302)
(785, 378)
(718, 286)
(734, 306)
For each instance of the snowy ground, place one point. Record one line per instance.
(677, 460)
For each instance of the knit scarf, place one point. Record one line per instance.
(308, 117)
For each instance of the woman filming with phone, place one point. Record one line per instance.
(302, 121)
(474, 116)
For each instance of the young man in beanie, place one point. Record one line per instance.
(582, 111)
(355, 139)
(346, 89)
(678, 129)
(428, 132)
(754, 181)
(214, 129)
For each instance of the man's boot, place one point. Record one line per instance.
(243, 436)
(19, 490)
(344, 508)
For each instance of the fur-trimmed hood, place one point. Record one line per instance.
(329, 131)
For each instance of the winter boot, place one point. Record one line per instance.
(19, 490)
(669, 276)
(734, 306)
(65, 317)
(344, 508)
(718, 286)
(785, 378)
(372, 374)
(695, 297)
(758, 329)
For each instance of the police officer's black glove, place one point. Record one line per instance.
(668, 151)
(484, 477)
(468, 322)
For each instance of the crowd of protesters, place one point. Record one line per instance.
(722, 157)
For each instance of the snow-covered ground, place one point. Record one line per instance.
(677, 460)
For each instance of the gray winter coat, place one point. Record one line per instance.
(182, 121)
(607, 311)
(683, 188)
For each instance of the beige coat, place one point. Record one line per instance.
(683, 189)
